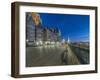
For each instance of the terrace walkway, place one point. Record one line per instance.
(71, 57)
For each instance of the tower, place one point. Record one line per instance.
(68, 40)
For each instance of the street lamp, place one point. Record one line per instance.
(40, 42)
(37, 43)
(63, 41)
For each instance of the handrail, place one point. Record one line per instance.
(79, 47)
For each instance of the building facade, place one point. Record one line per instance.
(36, 33)
(30, 28)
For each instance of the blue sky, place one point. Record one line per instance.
(76, 27)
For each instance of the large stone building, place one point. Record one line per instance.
(36, 33)
(30, 28)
